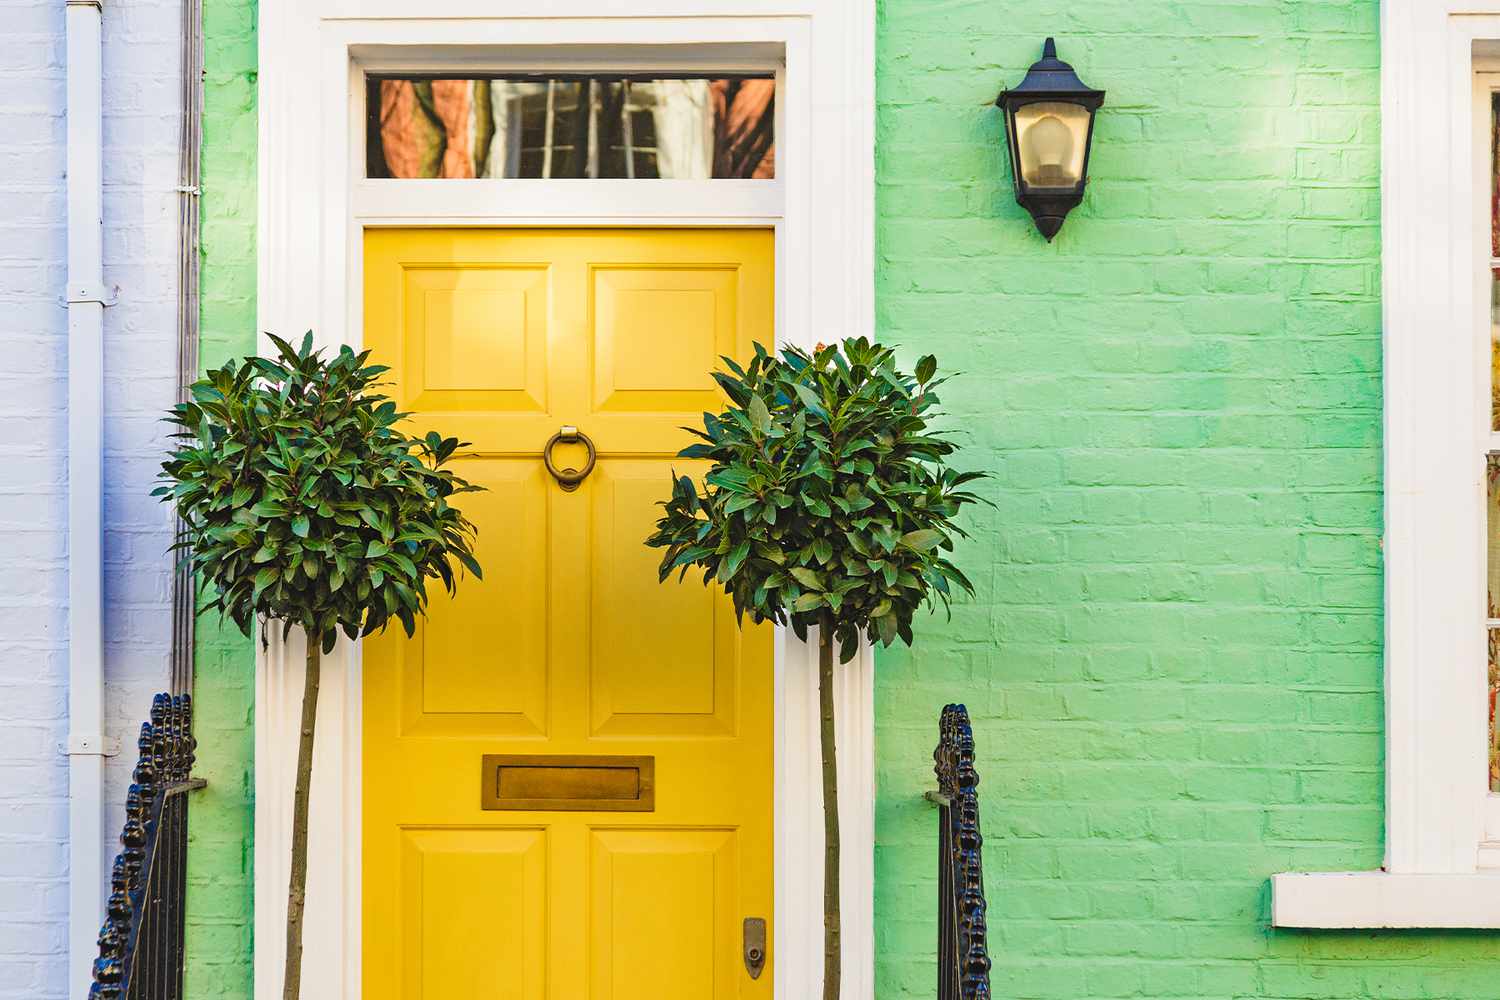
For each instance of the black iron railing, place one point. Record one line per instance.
(963, 958)
(141, 942)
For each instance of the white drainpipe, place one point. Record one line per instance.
(86, 301)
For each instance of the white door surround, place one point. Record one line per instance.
(313, 207)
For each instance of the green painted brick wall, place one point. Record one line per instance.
(219, 904)
(1174, 661)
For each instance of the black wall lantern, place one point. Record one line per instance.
(1049, 118)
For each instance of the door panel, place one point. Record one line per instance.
(474, 913)
(453, 662)
(635, 311)
(476, 338)
(661, 912)
(640, 686)
(569, 646)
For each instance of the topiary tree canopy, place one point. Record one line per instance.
(829, 505)
(303, 503)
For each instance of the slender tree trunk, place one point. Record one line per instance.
(832, 967)
(296, 894)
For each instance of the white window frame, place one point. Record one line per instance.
(1440, 869)
(313, 204)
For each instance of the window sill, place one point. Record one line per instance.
(1379, 899)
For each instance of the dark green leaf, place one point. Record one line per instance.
(926, 368)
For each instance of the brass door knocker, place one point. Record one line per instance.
(569, 479)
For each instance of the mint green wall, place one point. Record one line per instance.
(1173, 663)
(219, 902)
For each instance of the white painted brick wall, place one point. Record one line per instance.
(140, 168)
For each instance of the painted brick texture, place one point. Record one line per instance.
(1173, 663)
(220, 888)
(33, 508)
(140, 174)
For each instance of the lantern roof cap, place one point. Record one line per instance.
(1049, 76)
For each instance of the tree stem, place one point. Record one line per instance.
(296, 894)
(832, 966)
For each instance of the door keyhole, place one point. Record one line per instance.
(755, 946)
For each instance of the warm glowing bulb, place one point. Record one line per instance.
(1053, 142)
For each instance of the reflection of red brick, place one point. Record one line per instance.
(1494, 764)
(401, 117)
(744, 128)
(424, 128)
(451, 100)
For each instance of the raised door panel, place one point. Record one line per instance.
(665, 656)
(475, 337)
(462, 677)
(473, 914)
(663, 913)
(657, 335)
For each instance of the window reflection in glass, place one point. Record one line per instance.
(1492, 518)
(581, 127)
(1495, 348)
(1494, 645)
(1494, 259)
(1495, 175)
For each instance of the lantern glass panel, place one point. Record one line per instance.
(1052, 137)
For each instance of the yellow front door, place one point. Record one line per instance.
(567, 772)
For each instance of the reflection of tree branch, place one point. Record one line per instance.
(484, 126)
(423, 92)
(760, 141)
(578, 155)
(744, 127)
(611, 127)
(375, 164)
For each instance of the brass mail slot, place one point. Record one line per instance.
(568, 783)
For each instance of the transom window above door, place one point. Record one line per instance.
(592, 126)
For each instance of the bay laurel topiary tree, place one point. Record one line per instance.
(303, 504)
(829, 506)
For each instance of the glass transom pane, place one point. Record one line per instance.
(596, 126)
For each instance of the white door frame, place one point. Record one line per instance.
(312, 209)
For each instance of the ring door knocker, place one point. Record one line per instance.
(569, 479)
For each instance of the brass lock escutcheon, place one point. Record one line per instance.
(755, 946)
(569, 479)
